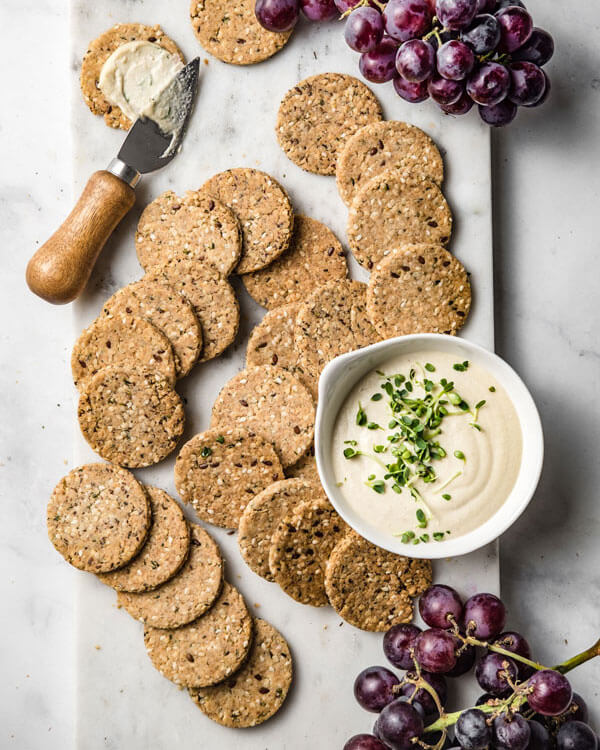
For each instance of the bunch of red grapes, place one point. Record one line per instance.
(524, 706)
(456, 52)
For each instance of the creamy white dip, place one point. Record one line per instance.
(136, 79)
(465, 492)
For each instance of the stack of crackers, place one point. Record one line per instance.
(168, 574)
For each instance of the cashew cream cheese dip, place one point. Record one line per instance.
(426, 447)
(136, 79)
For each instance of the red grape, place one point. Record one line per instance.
(516, 644)
(550, 694)
(466, 659)
(435, 650)
(373, 688)
(364, 29)
(277, 15)
(528, 83)
(364, 742)
(577, 710)
(411, 92)
(319, 10)
(538, 49)
(399, 725)
(485, 614)
(486, 6)
(511, 732)
(397, 643)
(445, 92)
(472, 731)
(421, 696)
(484, 34)
(415, 60)
(456, 14)
(345, 5)
(407, 19)
(491, 673)
(575, 735)
(439, 605)
(455, 60)
(379, 65)
(516, 26)
(545, 95)
(540, 737)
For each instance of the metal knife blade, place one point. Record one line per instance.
(147, 148)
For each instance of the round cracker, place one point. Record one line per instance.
(382, 146)
(273, 403)
(419, 289)
(131, 417)
(98, 53)
(207, 650)
(370, 587)
(390, 211)
(314, 257)
(263, 209)
(324, 327)
(196, 226)
(212, 297)
(272, 340)
(219, 471)
(129, 344)
(231, 32)
(318, 115)
(188, 595)
(98, 517)
(300, 548)
(164, 552)
(169, 311)
(306, 468)
(263, 514)
(257, 691)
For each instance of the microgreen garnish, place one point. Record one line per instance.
(377, 397)
(429, 367)
(460, 455)
(379, 448)
(206, 452)
(421, 519)
(446, 496)
(351, 453)
(373, 426)
(377, 486)
(361, 416)
(492, 389)
(461, 366)
(220, 439)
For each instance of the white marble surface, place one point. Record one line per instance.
(546, 193)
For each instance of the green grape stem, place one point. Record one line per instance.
(516, 700)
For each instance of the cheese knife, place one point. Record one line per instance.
(60, 269)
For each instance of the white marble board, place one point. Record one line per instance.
(121, 700)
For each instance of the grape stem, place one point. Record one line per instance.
(516, 700)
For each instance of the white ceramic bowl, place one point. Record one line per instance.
(343, 373)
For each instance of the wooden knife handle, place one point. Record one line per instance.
(60, 269)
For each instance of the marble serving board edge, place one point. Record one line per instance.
(121, 700)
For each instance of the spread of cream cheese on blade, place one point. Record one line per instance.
(426, 448)
(138, 79)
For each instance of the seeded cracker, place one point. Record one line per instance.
(164, 553)
(314, 257)
(129, 344)
(212, 298)
(133, 418)
(382, 146)
(371, 588)
(300, 549)
(273, 403)
(258, 690)
(196, 227)
(390, 211)
(264, 513)
(219, 471)
(324, 327)
(306, 468)
(169, 311)
(228, 29)
(207, 650)
(319, 114)
(98, 517)
(186, 596)
(263, 209)
(419, 289)
(272, 341)
(98, 53)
